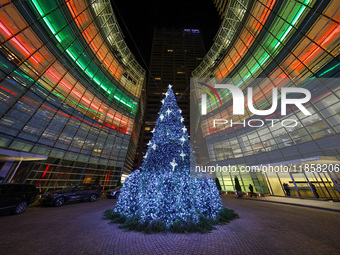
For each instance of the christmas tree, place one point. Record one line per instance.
(161, 195)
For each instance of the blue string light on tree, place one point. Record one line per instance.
(162, 196)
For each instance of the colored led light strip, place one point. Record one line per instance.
(75, 14)
(266, 55)
(74, 57)
(43, 175)
(250, 41)
(17, 43)
(106, 124)
(292, 24)
(280, 40)
(329, 36)
(56, 79)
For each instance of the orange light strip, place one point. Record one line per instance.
(330, 35)
(57, 79)
(98, 46)
(308, 57)
(258, 27)
(17, 43)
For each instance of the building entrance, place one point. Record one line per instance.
(314, 185)
(304, 180)
(302, 187)
(305, 185)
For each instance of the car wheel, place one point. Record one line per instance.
(93, 197)
(20, 208)
(59, 201)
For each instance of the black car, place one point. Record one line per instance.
(80, 192)
(16, 197)
(114, 193)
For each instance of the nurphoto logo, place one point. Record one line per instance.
(239, 105)
(300, 97)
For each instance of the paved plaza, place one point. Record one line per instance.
(263, 228)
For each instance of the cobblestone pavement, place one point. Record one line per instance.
(263, 228)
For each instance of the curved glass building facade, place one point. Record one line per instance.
(70, 91)
(264, 44)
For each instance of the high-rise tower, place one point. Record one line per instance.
(175, 54)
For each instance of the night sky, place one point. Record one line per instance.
(140, 18)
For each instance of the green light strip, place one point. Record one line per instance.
(293, 24)
(280, 40)
(62, 38)
(22, 74)
(261, 52)
(46, 21)
(330, 69)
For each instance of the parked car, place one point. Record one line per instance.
(16, 197)
(113, 193)
(89, 192)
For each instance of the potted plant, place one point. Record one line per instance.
(238, 187)
(218, 185)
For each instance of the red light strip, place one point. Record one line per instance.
(43, 175)
(7, 90)
(121, 129)
(331, 34)
(57, 78)
(17, 43)
(107, 179)
(68, 88)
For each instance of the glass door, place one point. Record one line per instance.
(335, 177)
(328, 186)
(302, 186)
